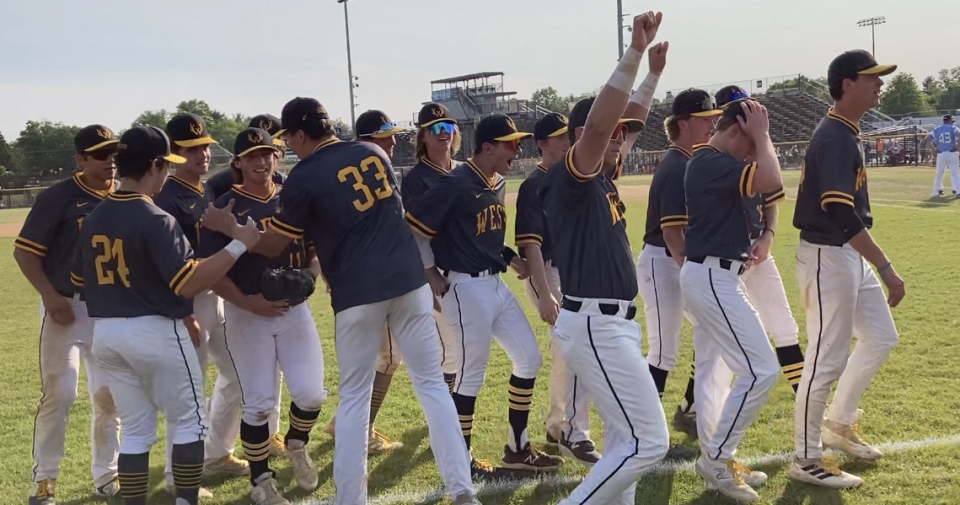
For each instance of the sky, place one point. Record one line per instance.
(106, 61)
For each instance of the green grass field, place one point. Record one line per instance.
(913, 397)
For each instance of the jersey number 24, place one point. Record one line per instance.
(111, 251)
(367, 198)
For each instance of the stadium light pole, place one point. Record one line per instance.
(620, 28)
(872, 23)
(353, 109)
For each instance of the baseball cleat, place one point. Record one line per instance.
(551, 441)
(227, 465)
(584, 451)
(108, 490)
(847, 438)
(203, 493)
(750, 477)
(481, 470)
(277, 446)
(530, 459)
(303, 468)
(822, 472)
(42, 493)
(685, 422)
(466, 499)
(379, 444)
(265, 491)
(723, 476)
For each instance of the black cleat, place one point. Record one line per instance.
(685, 422)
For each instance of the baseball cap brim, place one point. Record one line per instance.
(382, 135)
(633, 125)
(202, 141)
(277, 142)
(101, 145)
(879, 70)
(254, 148)
(173, 158)
(708, 113)
(559, 132)
(442, 120)
(513, 136)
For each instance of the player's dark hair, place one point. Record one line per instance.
(455, 142)
(235, 168)
(672, 126)
(135, 169)
(316, 131)
(836, 88)
(726, 122)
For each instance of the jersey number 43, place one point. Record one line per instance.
(110, 251)
(366, 197)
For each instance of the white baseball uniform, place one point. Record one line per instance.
(389, 358)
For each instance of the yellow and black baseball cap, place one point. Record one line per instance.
(694, 102)
(94, 137)
(551, 125)
(301, 112)
(497, 128)
(853, 63)
(376, 124)
(434, 113)
(578, 117)
(188, 130)
(271, 124)
(252, 139)
(145, 143)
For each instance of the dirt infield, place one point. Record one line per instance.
(10, 230)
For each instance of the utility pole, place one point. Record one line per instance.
(872, 23)
(353, 109)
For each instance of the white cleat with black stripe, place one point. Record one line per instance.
(822, 473)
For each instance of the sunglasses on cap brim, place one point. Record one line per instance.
(438, 128)
(385, 130)
(733, 97)
(708, 107)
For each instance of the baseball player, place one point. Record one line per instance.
(44, 251)
(224, 402)
(463, 216)
(141, 275)
(839, 290)
(595, 332)
(222, 181)
(568, 416)
(658, 267)
(946, 140)
(374, 126)
(725, 325)
(264, 332)
(185, 198)
(342, 197)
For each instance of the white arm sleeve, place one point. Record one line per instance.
(426, 252)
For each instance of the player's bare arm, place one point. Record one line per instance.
(226, 289)
(639, 105)
(547, 305)
(57, 306)
(612, 99)
(760, 250)
(757, 126)
(212, 269)
(864, 244)
(673, 236)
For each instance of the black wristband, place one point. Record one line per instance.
(508, 254)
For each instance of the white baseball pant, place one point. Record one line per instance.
(946, 161)
(842, 297)
(764, 289)
(726, 325)
(659, 284)
(257, 345)
(482, 309)
(359, 333)
(151, 367)
(568, 415)
(61, 348)
(604, 352)
(389, 359)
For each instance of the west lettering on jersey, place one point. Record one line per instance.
(223, 181)
(716, 185)
(588, 233)
(186, 203)
(423, 176)
(833, 173)
(53, 226)
(132, 260)
(531, 226)
(464, 216)
(666, 203)
(247, 272)
(343, 198)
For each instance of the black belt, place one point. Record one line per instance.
(667, 249)
(607, 309)
(68, 294)
(489, 271)
(724, 264)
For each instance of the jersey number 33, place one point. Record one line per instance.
(352, 174)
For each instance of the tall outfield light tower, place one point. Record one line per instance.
(621, 26)
(872, 23)
(353, 84)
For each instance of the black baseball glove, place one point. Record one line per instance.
(290, 284)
